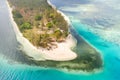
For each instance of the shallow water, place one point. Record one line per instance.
(11, 70)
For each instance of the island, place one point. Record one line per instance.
(45, 28)
(44, 33)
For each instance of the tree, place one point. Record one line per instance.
(49, 25)
(25, 25)
(17, 14)
(51, 15)
(58, 33)
(38, 17)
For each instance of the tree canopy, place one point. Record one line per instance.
(25, 26)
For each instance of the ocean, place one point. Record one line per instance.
(97, 22)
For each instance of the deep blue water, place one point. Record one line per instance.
(89, 23)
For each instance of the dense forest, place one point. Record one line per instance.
(39, 22)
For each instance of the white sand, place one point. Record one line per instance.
(62, 53)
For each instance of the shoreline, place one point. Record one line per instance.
(58, 54)
(68, 21)
(64, 16)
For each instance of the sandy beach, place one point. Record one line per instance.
(62, 53)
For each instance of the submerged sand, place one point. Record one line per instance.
(62, 53)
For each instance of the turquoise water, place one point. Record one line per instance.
(13, 70)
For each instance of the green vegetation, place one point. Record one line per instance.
(17, 14)
(49, 25)
(36, 17)
(25, 26)
(58, 34)
(43, 26)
